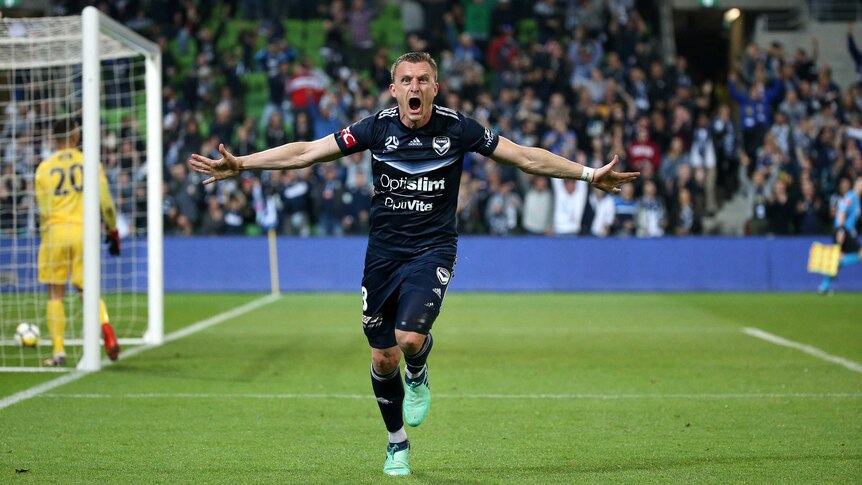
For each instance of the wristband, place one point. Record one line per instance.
(587, 174)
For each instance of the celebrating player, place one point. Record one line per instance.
(846, 216)
(59, 194)
(418, 149)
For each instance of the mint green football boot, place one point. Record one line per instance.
(397, 459)
(417, 400)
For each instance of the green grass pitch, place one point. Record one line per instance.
(528, 388)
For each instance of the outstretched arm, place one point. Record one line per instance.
(289, 156)
(538, 161)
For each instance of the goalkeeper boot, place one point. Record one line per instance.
(112, 347)
(417, 399)
(397, 459)
(58, 360)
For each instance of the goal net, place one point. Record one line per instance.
(46, 66)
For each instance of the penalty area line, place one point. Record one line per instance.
(176, 335)
(813, 351)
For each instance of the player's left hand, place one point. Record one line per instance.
(224, 168)
(609, 181)
(113, 240)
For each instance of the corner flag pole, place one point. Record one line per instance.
(273, 262)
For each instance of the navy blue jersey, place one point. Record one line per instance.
(416, 176)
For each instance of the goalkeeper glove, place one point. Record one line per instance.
(113, 240)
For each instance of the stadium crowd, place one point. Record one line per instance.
(584, 79)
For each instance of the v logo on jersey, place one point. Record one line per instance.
(441, 144)
(415, 143)
(443, 275)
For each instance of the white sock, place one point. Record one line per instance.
(398, 436)
(411, 375)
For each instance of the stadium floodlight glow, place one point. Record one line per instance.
(730, 15)
(90, 68)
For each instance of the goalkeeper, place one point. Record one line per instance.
(846, 217)
(59, 194)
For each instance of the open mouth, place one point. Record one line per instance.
(414, 104)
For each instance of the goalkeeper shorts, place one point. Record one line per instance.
(61, 255)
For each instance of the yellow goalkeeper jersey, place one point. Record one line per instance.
(60, 190)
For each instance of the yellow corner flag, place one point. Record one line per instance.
(823, 259)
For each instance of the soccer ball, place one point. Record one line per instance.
(27, 335)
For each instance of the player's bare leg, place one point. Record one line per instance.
(417, 399)
(56, 319)
(389, 391)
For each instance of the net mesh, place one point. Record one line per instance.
(40, 82)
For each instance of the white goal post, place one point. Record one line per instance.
(83, 44)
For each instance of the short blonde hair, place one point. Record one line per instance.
(414, 57)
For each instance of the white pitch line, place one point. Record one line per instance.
(183, 332)
(814, 351)
(850, 395)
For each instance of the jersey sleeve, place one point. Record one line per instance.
(477, 138)
(357, 137)
(109, 211)
(43, 191)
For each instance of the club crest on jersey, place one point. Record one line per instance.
(441, 144)
(443, 275)
(391, 143)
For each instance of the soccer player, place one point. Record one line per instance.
(60, 196)
(846, 216)
(418, 149)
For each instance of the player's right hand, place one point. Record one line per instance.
(224, 168)
(113, 240)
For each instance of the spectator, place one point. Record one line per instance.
(687, 222)
(213, 220)
(502, 209)
(538, 207)
(604, 208)
(703, 157)
(275, 134)
(673, 160)
(296, 204)
(570, 198)
(233, 218)
(780, 210)
(328, 194)
(756, 112)
(757, 189)
(625, 212)
(357, 206)
(359, 19)
(809, 210)
(651, 220)
(643, 150)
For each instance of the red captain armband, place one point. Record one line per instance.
(348, 138)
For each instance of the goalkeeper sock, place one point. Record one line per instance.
(103, 312)
(849, 259)
(415, 364)
(57, 325)
(389, 391)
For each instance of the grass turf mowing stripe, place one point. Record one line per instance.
(827, 395)
(814, 351)
(184, 332)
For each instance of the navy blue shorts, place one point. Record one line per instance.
(406, 295)
(851, 243)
